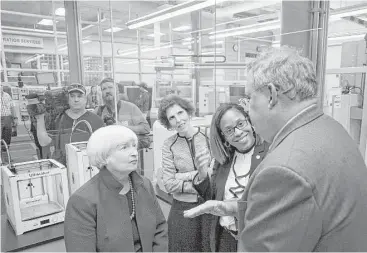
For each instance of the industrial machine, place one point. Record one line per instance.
(36, 194)
(347, 110)
(79, 169)
(226, 93)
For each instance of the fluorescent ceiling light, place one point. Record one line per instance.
(60, 12)
(64, 46)
(146, 49)
(349, 37)
(187, 39)
(182, 28)
(352, 37)
(47, 22)
(246, 29)
(155, 48)
(337, 16)
(153, 35)
(168, 13)
(189, 42)
(259, 27)
(127, 62)
(34, 58)
(212, 52)
(113, 29)
(126, 52)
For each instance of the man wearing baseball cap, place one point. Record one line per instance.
(77, 111)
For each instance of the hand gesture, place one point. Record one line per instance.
(202, 161)
(214, 207)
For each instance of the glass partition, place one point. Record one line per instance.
(345, 82)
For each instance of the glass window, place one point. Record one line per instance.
(345, 79)
(34, 42)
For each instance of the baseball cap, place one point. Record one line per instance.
(143, 85)
(77, 87)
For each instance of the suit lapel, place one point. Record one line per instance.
(302, 118)
(258, 155)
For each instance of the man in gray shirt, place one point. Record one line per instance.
(128, 114)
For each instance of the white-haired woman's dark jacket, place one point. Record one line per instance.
(98, 219)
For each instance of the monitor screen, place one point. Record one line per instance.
(237, 91)
(46, 78)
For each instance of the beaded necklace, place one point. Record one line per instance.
(132, 215)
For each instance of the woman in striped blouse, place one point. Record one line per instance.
(179, 169)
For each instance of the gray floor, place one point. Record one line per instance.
(59, 246)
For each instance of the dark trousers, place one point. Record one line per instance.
(6, 122)
(226, 242)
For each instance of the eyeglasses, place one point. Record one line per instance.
(246, 99)
(241, 125)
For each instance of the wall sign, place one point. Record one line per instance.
(22, 41)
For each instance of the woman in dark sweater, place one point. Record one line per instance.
(116, 210)
(237, 151)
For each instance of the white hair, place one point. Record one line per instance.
(105, 140)
(288, 70)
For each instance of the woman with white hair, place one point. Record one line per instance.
(117, 209)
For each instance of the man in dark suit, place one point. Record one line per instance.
(309, 193)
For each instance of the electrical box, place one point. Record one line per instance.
(207, 99)
(36, 194)
(79, 169)
(346, 109)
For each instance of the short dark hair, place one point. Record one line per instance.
(220, 152)
(170, 101)
(106, 80)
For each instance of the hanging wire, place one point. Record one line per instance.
(113, 62)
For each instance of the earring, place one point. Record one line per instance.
(226, 144)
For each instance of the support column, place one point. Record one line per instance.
(304, 25)
(196, 26)
(295, 25)
(74, 41)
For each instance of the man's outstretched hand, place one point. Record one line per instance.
(214, 207)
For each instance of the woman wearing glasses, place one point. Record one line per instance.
(237, 151)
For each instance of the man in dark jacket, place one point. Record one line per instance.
(309, 193)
